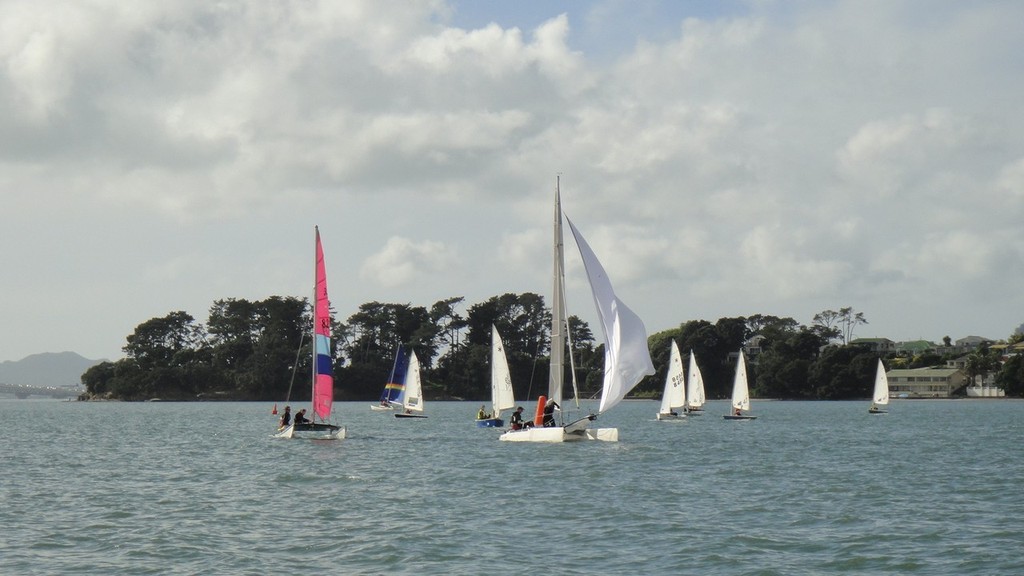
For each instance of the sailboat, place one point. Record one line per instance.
(740, 394)
(411, 399)
(880, 397)
(396, 382)
(502, 397)
(626, 360)
(323, 366)
(694, 389)
(675, 388)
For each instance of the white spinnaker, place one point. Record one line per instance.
(627, 358)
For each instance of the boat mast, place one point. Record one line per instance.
(312, 328)
(557, 309)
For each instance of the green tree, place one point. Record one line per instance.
(848, 321)
(522, 321)
(97, 379)
(784, 366)
(155, 342)
(233, 328)
(980, 363)
(826, 324)
(1011, 376)
(843, 373)
(282, 351)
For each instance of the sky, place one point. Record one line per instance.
(722, 159)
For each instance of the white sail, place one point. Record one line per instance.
(740, 394)
(412, 397)
(675, 388)
(881, 395)
(502, 397)
(626, 356)
(694, 385)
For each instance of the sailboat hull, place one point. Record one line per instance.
(490, 423)
(379, 408)
(663, 416)
(404, 415)
(877, 411)
(741, 417)
(316, 431)
(573, 432)
(694, 412)
(559, 434)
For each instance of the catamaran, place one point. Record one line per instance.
(694, 389)
(411, 399)
(323, 365)
(502, 397)
(626, 360)
(880, 397)
(674, 395)
(740, 393)
(396, 382)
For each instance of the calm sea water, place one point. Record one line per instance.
(933, 487)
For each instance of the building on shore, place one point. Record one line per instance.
(925, 382)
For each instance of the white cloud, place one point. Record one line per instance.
(403, 262)
(768, 157)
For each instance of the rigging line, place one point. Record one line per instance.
(533, 370)
(295, 367)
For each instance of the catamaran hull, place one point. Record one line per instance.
(734, 417)
(558, 434)
(694, 412)
(313, 431)
(403, 415)
(674, 416)
(573, 432)
(877, 411)
(490, 423)
(379, 408)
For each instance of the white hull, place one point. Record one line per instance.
(379, 408)
(560, 434)
(324, 433)
(665, 417)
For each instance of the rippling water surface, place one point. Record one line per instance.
(933, 487)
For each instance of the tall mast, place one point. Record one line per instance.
(312, 326)
(557, 306)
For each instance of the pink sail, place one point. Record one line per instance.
(323, 368)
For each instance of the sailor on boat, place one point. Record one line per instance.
(286, 418)
(516, 420)
(549, 412)
(300, 417)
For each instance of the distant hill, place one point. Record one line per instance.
(46, 369)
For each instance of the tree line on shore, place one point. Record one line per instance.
(260, 350)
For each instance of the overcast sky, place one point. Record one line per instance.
(721, 158)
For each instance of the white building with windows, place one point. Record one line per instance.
(925, 382)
